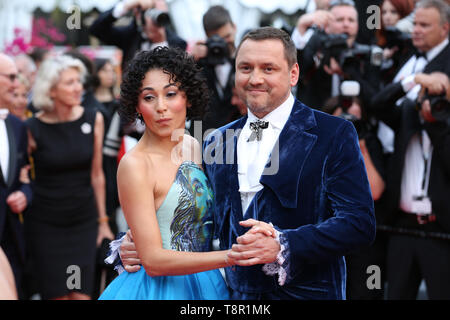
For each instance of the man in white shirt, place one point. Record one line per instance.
(143, 33)
(323, 69)
(283, 167)
(288, 168)
(417, 186)
(218, 67)
(15, 195)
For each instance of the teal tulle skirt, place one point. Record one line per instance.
(208, 285)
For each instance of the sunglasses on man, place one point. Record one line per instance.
(12, 76)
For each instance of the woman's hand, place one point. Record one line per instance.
(259, 226)
(104, 232)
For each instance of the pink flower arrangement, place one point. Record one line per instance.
(44, 35)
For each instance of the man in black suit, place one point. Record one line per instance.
(219, 73)
(418, 185)
(15, 195)
(143, 33)
(319, 78)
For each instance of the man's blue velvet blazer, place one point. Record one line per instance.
(319, 198)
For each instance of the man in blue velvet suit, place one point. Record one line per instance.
(287, 165)
(14, 194)
(291, 166)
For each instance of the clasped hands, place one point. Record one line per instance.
(257, 246)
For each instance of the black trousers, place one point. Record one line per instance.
(357, 268)
(411, 259)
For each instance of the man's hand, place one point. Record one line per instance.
(199, 50)
(141, 4)
(425, 111)
(434, 83)
(320, 18)
(333, 68)
(24, 176)
(255, 246)
(128, 254)
(17, 201)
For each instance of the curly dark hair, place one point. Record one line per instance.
(182, 69)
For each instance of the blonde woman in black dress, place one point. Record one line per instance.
(68, 217)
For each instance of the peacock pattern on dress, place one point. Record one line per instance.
(192, 224)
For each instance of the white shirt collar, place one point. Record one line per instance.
(3, 113)
(279, 116)
(431, 54)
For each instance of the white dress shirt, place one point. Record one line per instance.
(414, 171)
(252, 156)
(4, 144)
(412, 67)
(419, 147)
(406, 75)
(222, 75)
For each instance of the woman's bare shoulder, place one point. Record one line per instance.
(135, 165)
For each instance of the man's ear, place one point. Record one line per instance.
(294, 74)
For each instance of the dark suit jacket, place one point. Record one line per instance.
(319, 198)
(315, 85)
(394, 91)
(127, 38)
(18, 143)
(405, 122)
(220, 110)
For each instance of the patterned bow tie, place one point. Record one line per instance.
(257, 127)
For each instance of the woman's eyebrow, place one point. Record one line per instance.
(165, 87)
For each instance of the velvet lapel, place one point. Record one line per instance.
(12, 152)
(293, 139)
(230, 169)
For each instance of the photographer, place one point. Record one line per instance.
(149, 28)
(348, 106)
(328, 54)
(395, 43)
(216, 57)
(417, 191)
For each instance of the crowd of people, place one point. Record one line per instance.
(62, 129)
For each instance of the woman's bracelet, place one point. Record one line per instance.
(103, 219)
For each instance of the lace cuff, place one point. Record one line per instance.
(280, 266)
(114, 253)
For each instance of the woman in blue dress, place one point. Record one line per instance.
(166, 198)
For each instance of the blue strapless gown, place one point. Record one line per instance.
(185, 221)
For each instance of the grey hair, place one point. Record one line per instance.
(48, 76)
(442, 7)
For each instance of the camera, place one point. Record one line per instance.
(218, 51)
(331, 45)
(349, 91)
(335, 46)
(159, 18)
(361, 126)
(362, 52)
(440, 106)
(396, 38)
